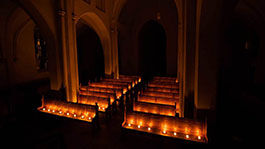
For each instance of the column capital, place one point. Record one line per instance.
(61, 13)
(75, 17)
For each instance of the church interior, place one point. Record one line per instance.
(131, 73)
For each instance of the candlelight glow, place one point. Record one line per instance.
(71, 110)
(187, 136)
(166, 125)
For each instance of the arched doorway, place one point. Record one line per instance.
(90, 54)
(132, 16)
(152, 49)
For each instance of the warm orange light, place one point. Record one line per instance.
(199, 137)
(164, 131)
(74, 115)
(89, 118)
(49, 110)
(60, 112)
(129, 125)
(67, 114)
(187, 136)
(82, 116)
(139, 126)
(175, 133)
(149, 128)
(43, 109)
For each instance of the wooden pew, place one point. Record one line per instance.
(163, 85)
(113, 86)
(164, 90)
(124, 84)
(159, 100)
(103, 103)
(161, 94)
(112, 96)
(166, 79)
(82, 112)
(130, 77)
(153, 108)
(118, 92)
(128, 81)
(166, 126)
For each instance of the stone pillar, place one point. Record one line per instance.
(115, 53)
(75, 20)
(69, 51)
(62, 13)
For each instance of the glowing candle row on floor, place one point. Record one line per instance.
(165, 132)
(84, 116)
(166, 126)
(69, 110)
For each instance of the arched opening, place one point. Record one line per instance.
(134, 24)
(90, 54)
(152, 49)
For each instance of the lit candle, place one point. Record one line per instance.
(49, 110)
(53, 111)
(199, 137)
(43, 109)
(129, 125)
(187, 136)
(164, 132)
(175, 133)
(82, 116)
(67, 113)
(74, 115)
(149, 128)
(139, 126)
(89, 118)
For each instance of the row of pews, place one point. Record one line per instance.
(151, 107)
(156, 110)
(96, 97)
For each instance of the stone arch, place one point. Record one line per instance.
(117, 8)
(54, 65)
(94, 21)
(158, 59)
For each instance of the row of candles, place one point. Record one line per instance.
(85, 116)
(164, 131)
